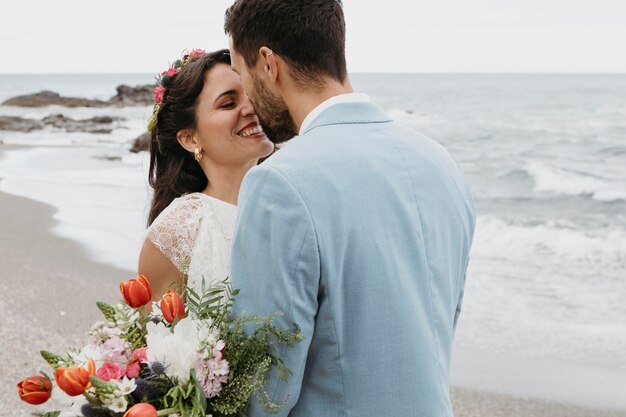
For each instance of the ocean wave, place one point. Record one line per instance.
(556, 242)
(552, 179)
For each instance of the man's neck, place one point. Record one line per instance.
(302, 102)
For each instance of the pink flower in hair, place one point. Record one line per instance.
(196, 53)
(158, 94)
(170, 72)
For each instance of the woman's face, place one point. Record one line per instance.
(228, 129)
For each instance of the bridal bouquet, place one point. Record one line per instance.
(183, 359)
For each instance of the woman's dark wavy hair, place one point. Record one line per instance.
(173, 170)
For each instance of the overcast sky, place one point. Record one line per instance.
(68, 36)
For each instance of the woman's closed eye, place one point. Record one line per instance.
(228, 105)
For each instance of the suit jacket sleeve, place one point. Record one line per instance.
(275, 263)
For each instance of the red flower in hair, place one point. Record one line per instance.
(170, 72)
(158, 94)
(196, 53)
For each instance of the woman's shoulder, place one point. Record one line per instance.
(183, 206)
(190, 209)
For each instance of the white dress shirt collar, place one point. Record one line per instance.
(341, 98)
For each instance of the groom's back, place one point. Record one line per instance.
(393, 220)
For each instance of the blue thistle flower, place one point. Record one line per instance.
(157, 368)
(177, 63)
(89, 410)
(144, 391)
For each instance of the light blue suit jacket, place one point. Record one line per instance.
(359, 230)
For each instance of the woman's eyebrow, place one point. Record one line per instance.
(226, 93)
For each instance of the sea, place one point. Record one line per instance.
(545, 155)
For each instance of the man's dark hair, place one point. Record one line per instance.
(310, 35)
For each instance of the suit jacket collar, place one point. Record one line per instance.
(349, 113)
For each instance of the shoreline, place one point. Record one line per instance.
(50, 286)
(49, 289)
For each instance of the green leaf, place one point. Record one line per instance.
(107, 310)
(52, 359)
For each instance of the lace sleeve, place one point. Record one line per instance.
(175, 230)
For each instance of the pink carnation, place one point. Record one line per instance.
(170, 72)
(158, 94)
(196, 53)
(109, 371)
(140, 355)
(133, 370)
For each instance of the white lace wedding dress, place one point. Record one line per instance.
(196, 229)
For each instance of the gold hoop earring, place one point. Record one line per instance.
(197, 154)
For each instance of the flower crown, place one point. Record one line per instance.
(164, 81)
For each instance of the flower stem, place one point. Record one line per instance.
(166, 411)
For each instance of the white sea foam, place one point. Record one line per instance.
(553, 179)
(101, 203)
(554, 243)
(546, 291)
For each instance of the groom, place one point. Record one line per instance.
(358, 229)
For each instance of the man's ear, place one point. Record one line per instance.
(187, 139)
(271, 63)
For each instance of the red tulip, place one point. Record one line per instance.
(75, 380)
(141, 410)
(172, 306)
(35, 389)
(136, 291)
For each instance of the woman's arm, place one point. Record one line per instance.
(159, 270)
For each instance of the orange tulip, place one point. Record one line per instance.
(141, 410)
(172, 306)
(75, 380)
(136, 291)
(35, 389)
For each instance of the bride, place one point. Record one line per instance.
(205, 137)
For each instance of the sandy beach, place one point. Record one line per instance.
(50, 287)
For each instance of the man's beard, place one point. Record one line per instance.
(273, 114)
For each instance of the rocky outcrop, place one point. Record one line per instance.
(100, 124)
(18, 124)
(50, 98)
(126, 96)
(142, 143)
(133, 96)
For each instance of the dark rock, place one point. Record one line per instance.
(126, 96)
(99, 124)
(56, 119)
(132, 96)
(103, 119)
(93, 125)
(18, 124)
(49, 98)
(142, 143)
